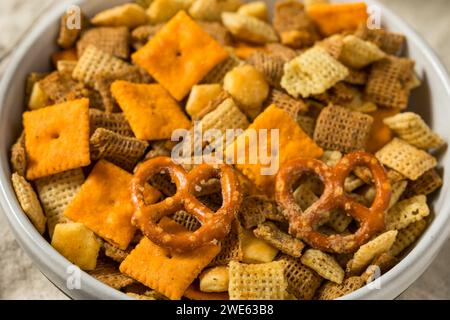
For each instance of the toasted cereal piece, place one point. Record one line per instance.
(426, 184)
(60, 87)
(356, 77)
(339, 94)
(144, 33)
(406, 212)
(257, 9)
(161, 11)
(282, 51)
(66, 66)
(115, 122)
(339, 220)
(410, 127)
(193, 293)
(386, 85)
(265, 281)
(32, 79)
(114, 252)
(369, 251)
(112, 40)
(51, 134)
(158, 149)
(295, 28)
(304, 196)
(333, 45)
(331, 157)
(187, 220)
(302, 281)
(217, 31)
(294, 107)
(278, 239)
(255, 250)
(331, 291)
(406, 159)
(103, 205)
(68, 55)
(120, 150)
(389, 42)
(200, 97)
(293, 142)
(341, 129)
(407, 236)
(397, 190)
(128, 15)
(163, 183)
(38, 99)
(254, 210)
(109, 274)
(180, 55)
(334, 18)
(215, 279)
(210, 10)
(324, 264)
(243, 49)
(69, 31)
(217, 74)
(168, 273)
(357, 53)
(248, 87)
(249, 28)
(152, 113)
(313, 72)
(56, 192)
(230, 249)
(307, 124)
(29, 202)
(76, 243)
(271, 66)
(19, 156)
(385, 261)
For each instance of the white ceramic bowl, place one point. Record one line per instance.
(430, 100)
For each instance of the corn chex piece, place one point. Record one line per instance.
(123, 151)
(331, 290)
(19, 156)
(68, 31)
(112, 40)
(152, 113)
(29, 202)
(161, 11)
(369, 251)
(255, 250)
(406, 159)
(294, 26)
(303, 282)
(389, 42)
(248, 87)
(76, 243)
(334, 18)
(103, 204)
(254, 210)
(410, 127)
(210, 10)
(331, 157)
(115, 122)
(265, 281)
(56, 192)
(114, 252)
(60, 87)
(339, 220)
(324, 264)
(407, 236)
(426, 184)
(128, 15)
(357, 53)
(304, 196)
(406, 212)
(215, 279)
(313, 72)
(341, 129)
(200, 96)
(293, 142)
(249, 28)
(166, 272)
(278, 239)
(109, 274)
(51, 134)
(271, 66)
(180, 55)
(387, 82)
(257, 9)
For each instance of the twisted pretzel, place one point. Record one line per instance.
(215, 225)
(304, 224)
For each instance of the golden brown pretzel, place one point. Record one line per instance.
(215, 225)
(304, 224)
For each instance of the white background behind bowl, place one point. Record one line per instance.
(20, 279)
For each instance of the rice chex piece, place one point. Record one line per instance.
(331, 290)
(115, 122)
(61, 87)
(19, 156)
(113, 252)
(110, 275)
(406, 212)
(426, 184)
(187, 220)
(325, 265)
(407, 236)
(112, 40)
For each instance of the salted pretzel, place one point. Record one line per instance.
(304, 225)
(215, 225)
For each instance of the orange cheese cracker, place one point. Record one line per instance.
(103, 204)
(293, 142)
(152, 113)
(168, 273)
(57, 138)
(380, 133)
(334, 18)
(180, 55)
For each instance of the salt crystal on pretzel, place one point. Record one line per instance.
(389, 42)
(115, 122)
(112, 40)
(407, 236)
(323, 264)
(357, 53)
(109, 274)
(248, 28)
(406, 212)
(128, 15)
(283, 101)
(411, 128)
(331, 291)
(271, 66)
(313, 72)
(19, 156)
(284, 242)
(426, 184)
(113, 252)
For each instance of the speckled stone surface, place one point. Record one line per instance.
(20, 279)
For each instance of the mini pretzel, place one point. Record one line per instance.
(304, 224)
(215, 225)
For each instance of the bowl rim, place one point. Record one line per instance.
(420, 257)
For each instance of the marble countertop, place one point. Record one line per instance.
(20, 279)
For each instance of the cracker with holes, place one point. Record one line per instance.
(249, 28)
(284, 242)
(112, 40)
(180, 55)
(406, 212)
(168, 273)
(151, 112)
(51, 134)
(313, 72)
(325, 265)
(341, 129)
(103, 204)
(264, 281)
